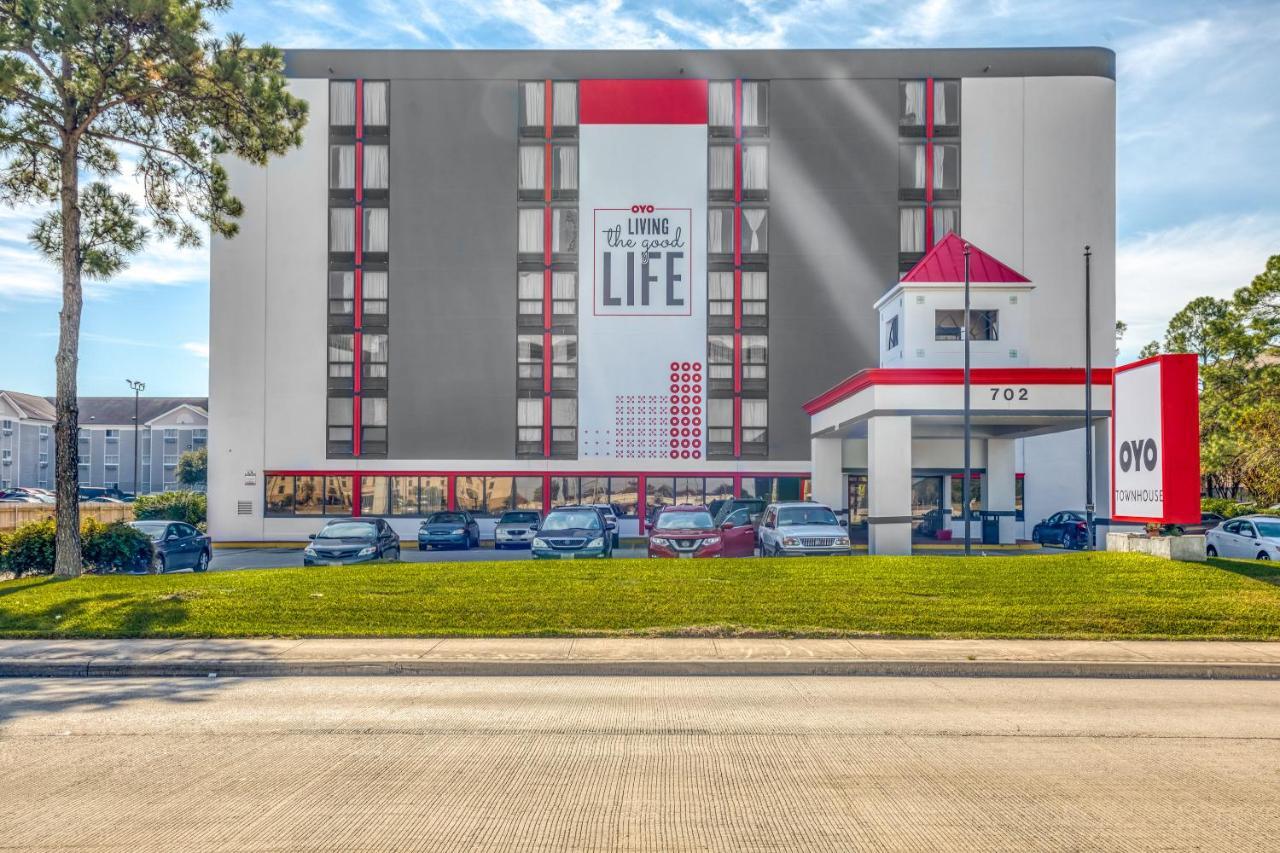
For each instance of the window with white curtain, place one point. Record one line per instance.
(564, 167)
(375, 103)
(720, 420)
(720, 168)
(564, 103)
(720, 230)
(529, 227)
(529, 419)
(529, 293)
(946, 220)
(533, 105)
(376, 225)
(911, 229)
(946, 103)
(564, 230)
(911, 166)
(373, 290)
(755, 230)
(377, 167)
(755, 356)
(342, 103)
(946, 167)
(755, 167)
(564, 419)
(529, 356)
(720, 294)
(720, 356)
(373, 412)
(532, 167)
(564, 292)
(755, 293)
(342, 291)
(341, 356)
(720, 103)
(374, 355)
(342, 229)
(755, 104)
(564, 356)
(755, 420)
(911, 103)
(342, 167)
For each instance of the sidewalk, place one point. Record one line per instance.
(638, 656)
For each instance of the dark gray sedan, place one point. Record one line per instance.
(352, 540)
(176, 545)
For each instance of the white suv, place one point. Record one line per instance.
(801, 528)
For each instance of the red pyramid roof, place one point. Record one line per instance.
(945, 263)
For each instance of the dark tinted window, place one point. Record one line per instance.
(519, 518)
(447, 518)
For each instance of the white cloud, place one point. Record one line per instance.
(197, 348)
(1157, 273)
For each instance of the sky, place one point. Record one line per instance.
(1197, 179)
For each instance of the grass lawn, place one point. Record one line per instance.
(1073, 595)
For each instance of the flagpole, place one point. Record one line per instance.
(967, 467)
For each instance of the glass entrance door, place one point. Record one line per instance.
(926, 505)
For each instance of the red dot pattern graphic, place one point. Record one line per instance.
(686, 410)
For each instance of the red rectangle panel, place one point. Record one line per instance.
(642, 101)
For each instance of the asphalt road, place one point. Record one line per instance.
(273, 558)
(639, 764)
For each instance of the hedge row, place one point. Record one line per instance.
(1228, 508)
(191, 507)
(105, 547)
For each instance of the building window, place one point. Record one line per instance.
(911, 230)
(170, 434)
(911, 103)
(499, 494)
(891, 333)
(376, 112)
(529, 230)
(564, 170)
(529, 356)
(564, 104)
(376, 229)
(533, 106)
(374, 293)
(957, 495)
(373, 423)
(377, 167)
(374, 356)
(755, 230)
(564, 420)
(529, 420)
(342, 103)
(1019, 494)
(6, 426)
(113, 460)
(529, 294)
(342, 230)
(341, 356)
(6, 456)
(44, 432)
(113, 435)
(755, 421)
(984, 325)
(755, 105)
(719, 357)
(342, 167)
(720, 230)
(720, 420)
(342, 291)
(340, 424)
(44, 457)
(755, 169)
(720, 170)
(564, 230)
(755, 293)
(946, 220)
(755, 357)
(564, 293)
(911, 166)
(532, 171)
(946, 167)
(720, 294)
(946, 103)
(720, 105)
(564, 357)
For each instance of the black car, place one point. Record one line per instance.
(176, 545)
(451, 529)
(574, 532)
(1066, 528)
(352, 540)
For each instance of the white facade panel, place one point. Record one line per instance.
(992, 167)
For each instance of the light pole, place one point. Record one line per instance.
(1088, 406)
(964, 486)
(137, 387)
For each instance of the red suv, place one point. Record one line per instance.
(685, 531)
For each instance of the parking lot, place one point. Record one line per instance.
(226, 559)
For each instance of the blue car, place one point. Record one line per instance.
(451, 529)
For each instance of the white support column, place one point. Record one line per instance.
(828, 478)
(1102, 479)
(889, 486)
(998, 492)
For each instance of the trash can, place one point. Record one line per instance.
(990, 529)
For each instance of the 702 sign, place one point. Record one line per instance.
(1010, 394)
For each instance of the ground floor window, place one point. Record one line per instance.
(314, 494)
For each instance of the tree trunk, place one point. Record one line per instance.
(67, 559)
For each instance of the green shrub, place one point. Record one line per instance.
(191, 507)
(31, 549)
(110, 547)
(4, 552)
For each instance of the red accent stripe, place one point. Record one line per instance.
(359, 172)
(546, 177)
(356, 497)
(953, 376)
(546, 236)
(929, 236)
(356, 345)
(737, 299)
(451, 484)
(737, 426)
(360, 109)
(546, 362)
(642, 502)
(737, 236)
(453, 474)
(546, 299)
(548, 93)
(358, 298)
(546, 493)
(546, 425)
(737, 108)
(737, 362)
(737, 172)
(681, 101)
(357, 366)
(355, 425)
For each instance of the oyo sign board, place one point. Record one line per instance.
(1155, 441)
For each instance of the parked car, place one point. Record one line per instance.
(737, 522)
(449, 529)
(802, 528)
(175, 545)
(343, 541)
(1066, 528)
(1208, 520)
(722, 509)
(685, 531)
(611, 518)
(570, 532)
(20, 499)
(516, 528)
(1251, 537)
(104, 499)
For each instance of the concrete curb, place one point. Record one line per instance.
(105, 668)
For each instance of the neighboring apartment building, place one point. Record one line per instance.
(167, 428)
(493, 279)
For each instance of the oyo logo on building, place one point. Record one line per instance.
(642, 261)
(1137, 455)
